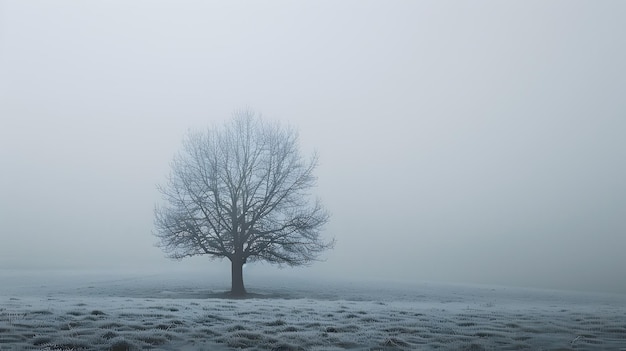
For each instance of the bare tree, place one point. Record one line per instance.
(242, 192)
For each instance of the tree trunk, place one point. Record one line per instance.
(237, 288)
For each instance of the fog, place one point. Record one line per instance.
(475, 142)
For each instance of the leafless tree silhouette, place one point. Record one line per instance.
(241, 191)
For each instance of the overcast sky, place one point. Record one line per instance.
(459, 141)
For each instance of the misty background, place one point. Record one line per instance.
(474, 142)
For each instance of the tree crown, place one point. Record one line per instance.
(242, 191)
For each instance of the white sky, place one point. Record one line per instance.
(461, 141)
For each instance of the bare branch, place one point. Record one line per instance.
(241, 191)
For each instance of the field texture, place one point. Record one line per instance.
(160, 314)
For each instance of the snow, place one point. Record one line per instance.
(181, 312)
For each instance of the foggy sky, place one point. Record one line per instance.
(479, 142)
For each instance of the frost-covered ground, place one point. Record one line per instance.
(156, 312)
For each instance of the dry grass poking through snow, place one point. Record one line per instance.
(119, 324)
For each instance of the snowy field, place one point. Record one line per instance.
(182, 312)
